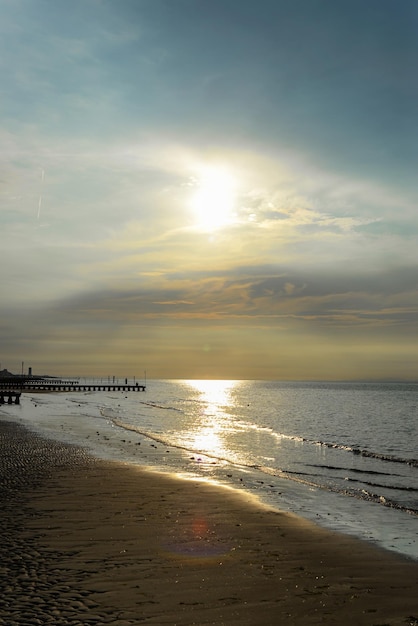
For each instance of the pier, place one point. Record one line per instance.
(70, 387)
(11, 395)
(14, 388)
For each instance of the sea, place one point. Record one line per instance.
(344, 455)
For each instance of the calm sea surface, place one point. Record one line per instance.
(344, 455)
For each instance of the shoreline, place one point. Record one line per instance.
(97, 542)
(108, 439)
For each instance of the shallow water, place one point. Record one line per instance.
(343, 455)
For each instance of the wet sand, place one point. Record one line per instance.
(87, 542)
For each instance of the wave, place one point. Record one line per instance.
(364, 453)
(352, 469)
(154, 405)
(382, 486)
(379, 499)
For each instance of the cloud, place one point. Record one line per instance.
(108, 114)
(328, 300)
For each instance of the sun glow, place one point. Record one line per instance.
(214, 198)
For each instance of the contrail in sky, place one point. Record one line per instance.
(40, 195)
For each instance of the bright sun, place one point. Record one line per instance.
(214, 198)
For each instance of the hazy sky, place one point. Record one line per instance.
(209, 188)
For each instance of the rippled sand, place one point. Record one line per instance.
(87, 542)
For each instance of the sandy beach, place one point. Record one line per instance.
(88, 542)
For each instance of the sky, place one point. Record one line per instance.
(209, 188)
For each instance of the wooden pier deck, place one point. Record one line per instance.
(70, 387)
(63, 386)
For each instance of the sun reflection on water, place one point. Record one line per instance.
(215, 392)
(212, 422)
(198, 538)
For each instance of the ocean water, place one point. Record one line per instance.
(344, 455)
